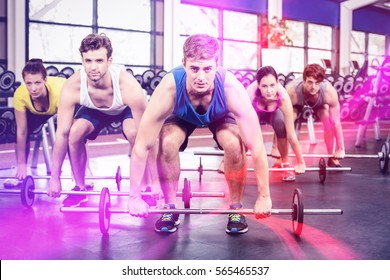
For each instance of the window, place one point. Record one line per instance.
(239, 34)
(56, 28)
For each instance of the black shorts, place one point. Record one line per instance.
(190, 127)
(101, 120)
(35, 122)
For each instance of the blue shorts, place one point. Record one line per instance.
(101, 120)
(190, 127)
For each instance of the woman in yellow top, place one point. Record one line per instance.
(35, 101)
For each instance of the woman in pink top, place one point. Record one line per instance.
(273, 106)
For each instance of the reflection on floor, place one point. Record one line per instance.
(44, 233)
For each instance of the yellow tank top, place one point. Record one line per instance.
(22, 101)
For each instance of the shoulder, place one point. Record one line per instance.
(72, 84)
(331, 95)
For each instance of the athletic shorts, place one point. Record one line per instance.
(101, 120)
(190, 127)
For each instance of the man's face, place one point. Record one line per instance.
(200, 75)
(311, 85)
(36, 85)
(96, 63)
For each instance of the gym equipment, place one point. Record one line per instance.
(297, 211)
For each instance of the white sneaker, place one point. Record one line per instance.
(11, 183)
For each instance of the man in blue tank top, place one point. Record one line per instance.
(313, 90)
(199, 94)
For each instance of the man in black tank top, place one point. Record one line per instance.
(313, 90)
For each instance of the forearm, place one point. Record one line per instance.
(261, 172)
(297, 150)
(137, 169)
(338, 131)
(21, 150)
(59, 153)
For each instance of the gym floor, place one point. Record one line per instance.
(42, 232)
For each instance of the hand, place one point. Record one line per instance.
(138, 207)
(300, 168)
(54, 187)
(340, 153)
(263, 207)
(21, 171)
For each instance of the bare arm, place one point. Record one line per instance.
(240, 105)
(160, 106)
(70, 96)
(287, 108)
(21, 140)
(331, 98)
(133, 96)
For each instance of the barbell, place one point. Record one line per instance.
(117, 177)
(27, 192)
(321, 169)
(297, 211)
(383, 156)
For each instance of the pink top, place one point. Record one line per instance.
(259, 97)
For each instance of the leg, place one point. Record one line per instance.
(228, 138)
(234, 160)
(81, 128)
(168, 161)
(168, 164)
(278, 124)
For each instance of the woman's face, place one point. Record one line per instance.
(268, 87)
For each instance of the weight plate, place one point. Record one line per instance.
(297, 215)
(307, 111)
(384, 161)
(7, 80)
(118, 178)
(322, 170)
(186, 197)
(104, 211)
(154, 82)
(52, 70)
(26, 192)
(67, 71)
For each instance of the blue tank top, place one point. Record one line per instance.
(183, 107)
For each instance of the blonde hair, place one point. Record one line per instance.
(201, 46)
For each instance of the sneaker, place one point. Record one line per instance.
(236, 222)
(288, 176)
(333, 162)
(168, 221)
(74, 200)
(12, 183)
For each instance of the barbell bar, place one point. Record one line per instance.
(321, 169)
(117, 177)
(297, 211)
(27, 192)
(383, 156)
